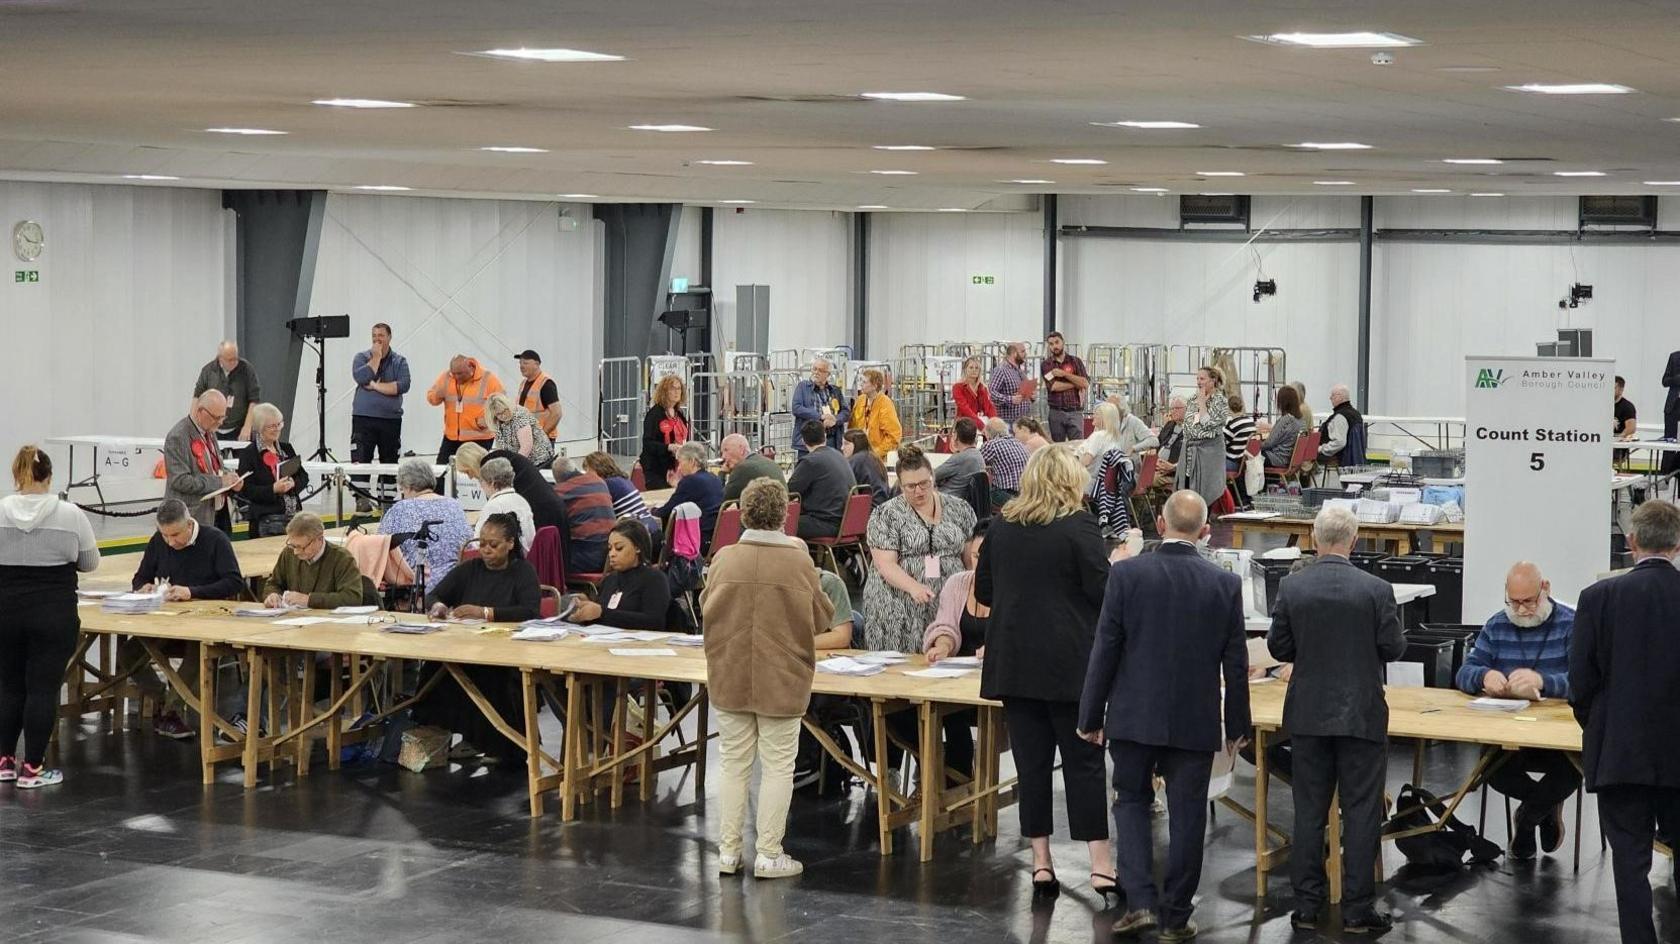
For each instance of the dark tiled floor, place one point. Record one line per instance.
(133, 848)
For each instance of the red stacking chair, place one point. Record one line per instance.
(854, 524)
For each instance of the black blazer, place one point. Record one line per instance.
(1671, 380)
(1044, 584)
(259, 488)
(1340, 626)
(1171, 625)
(1624, 677)
(657, 458)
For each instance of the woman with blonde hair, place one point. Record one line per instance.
(874, 413)
(517, 430)
(664, 428)
(973, 398)
(1202, 465)
(1042, 571)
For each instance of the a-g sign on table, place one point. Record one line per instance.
(1489, 379)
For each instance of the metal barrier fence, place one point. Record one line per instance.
(1128, 371)
(623, 401)
(1254, 372)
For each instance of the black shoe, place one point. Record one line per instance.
(1045, 889)
(1303, 920)
(1371, 922)
(1110, 889)
(1522, 844)
(1551, 831)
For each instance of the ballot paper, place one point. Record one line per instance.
(1499, 704)
(466, 621)
(542, 632)
(413, 629)
(643, 652)
(133, 602)
(610, 637)
(693, 642)
(881, 658)
(355, 610)
(846, 665)
(961, 662)
(1222, 774)
(940, 671)
(303, 621)
(262, 612)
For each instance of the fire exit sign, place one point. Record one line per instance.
(982, 280)
(26, 275)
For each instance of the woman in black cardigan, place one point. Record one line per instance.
(634, 594)
(1043, 571)
(272, 496)
(664, 428)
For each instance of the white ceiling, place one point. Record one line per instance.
(94, 89)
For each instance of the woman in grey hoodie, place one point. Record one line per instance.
(43, 543)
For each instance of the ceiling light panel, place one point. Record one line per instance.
(1333, 146)
(579, 196)
(1354, 40)
(383, 188)
(1078, 161)
(1027, 180)
(499, 149)
(905, 147)
(1577, 173)
(148, 177)
(1471, 160)
(911, 97)
(548, 55)
(361, 103)
(1487, 195)
(254, 132)
(726, 163)
(895, 173)
(1429, 190)
(1220, 173)
(1572, 88)
(1333, 183)
(669, 129)
(1147, 125)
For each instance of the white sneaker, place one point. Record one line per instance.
(729, 864)
(782, 866)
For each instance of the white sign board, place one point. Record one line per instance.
(127, 460)
(1536, 453)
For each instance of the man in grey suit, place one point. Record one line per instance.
(1171, 628)
(192, 462)
(1340, 627)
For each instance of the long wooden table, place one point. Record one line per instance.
(281, 662)
(1424, 714)
(1299, 530)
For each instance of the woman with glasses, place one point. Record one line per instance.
(517, 430)
(916, 542)
(273, 496)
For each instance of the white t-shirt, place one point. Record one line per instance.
(509, 501)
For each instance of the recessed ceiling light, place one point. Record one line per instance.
(895, 173)
(873, 206)
(738, 202)
(1149, 190)
(1487, 195)
(1662, 183)
(1577, 173)
(1220, 173)
(515, 150)
(1027, 180)
(148, 177)
(726, 163)
(579, 196)
(1333, 146)
(1146, 125)
(905, 147)
(360, 103)
(1429, 190)
(911, 97)
(1217, 193)
(668, 128)
(1357, 40)
(1077, 160)
(250, 131)
(953, 209)
(1572, 88)
(383, 187)
(1334, 183)
(548, 55)
(1471, 160)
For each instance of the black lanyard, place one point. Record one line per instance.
(1531, 662)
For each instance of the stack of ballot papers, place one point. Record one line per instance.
(133, 602)
(543, 631)
(683, 639)
(940, 671)
(846, 665)
(881, 658)
(960, 662)
(621, 635)
(413, 628)
(355, 610)
(262, 612)
(1499, 704)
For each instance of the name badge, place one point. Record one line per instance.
(612, 601)
(930, 566)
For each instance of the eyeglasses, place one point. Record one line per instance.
(916, 486)
(300, 548)
(1530, 603)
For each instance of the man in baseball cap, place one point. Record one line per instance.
(538, 394)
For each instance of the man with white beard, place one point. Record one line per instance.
(1523, 652)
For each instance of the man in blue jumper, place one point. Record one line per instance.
(820, 401)
(1523, 652)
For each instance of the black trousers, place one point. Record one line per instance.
(1671, 427)
(37, 639)
(958, 728)
(1357, 769)
(447, 450)
(1037, 730)
(810, 527)
(1631, 817)
(1186, 773)
(375, 435)
(1558, 781)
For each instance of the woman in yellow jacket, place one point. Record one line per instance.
(874, 413)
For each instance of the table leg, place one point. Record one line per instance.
(650, 706)
(1262, 787)
(1417, 761)
(702, 735)
(253, 714)
(620, 718)
(982, 780)
(932, 769)
(533, 741)
(335, 725)
(1237, 536)
(883, 798)
(207, 710)
(573, 748)
(108, 663)
(1333, 864)
(306, 707)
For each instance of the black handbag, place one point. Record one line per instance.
(1442, 849)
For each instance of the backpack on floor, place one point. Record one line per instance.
(1440, 849)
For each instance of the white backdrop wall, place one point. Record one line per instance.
(477, 277)
(921, 269)
(130, 304)
(805, 258)
(1180, 292)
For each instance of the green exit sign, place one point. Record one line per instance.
(982, 280)
(26, 275)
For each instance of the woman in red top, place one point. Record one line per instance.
(973, 399)
(664, 428)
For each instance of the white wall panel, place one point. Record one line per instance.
(685, 261)
(476, 277)
(130, 304)
(804, 256)
(921, 269)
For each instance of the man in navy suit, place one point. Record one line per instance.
(1171, 626)
(1624, 671)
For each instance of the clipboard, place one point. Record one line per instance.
(289, 468)
(212, 496)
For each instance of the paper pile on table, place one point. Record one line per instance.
(133, 602)
(846, 665)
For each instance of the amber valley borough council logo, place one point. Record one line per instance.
(1490, 379)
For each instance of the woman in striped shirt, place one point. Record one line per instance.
(1239, 429)
(627, 501)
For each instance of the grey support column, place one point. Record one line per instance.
(860, 284)
(279, 234)
(640, 242)
(1052, 223)
(1363, 393)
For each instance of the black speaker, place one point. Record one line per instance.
(321, 326)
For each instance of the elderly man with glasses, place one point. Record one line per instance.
(1523, 652)
(818, 400)
(312, 571)
(192, 462)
